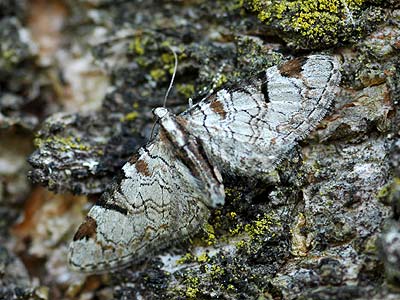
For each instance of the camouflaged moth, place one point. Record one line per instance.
(169, 186)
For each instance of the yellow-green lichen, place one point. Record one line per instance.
(64, 143)
(191, 292)
(142, 61)
(260, 226)
(203, 257)
(158, 74)
(385, 191)
(210, 237)
(212, 269)
(215, 271)
(232, 194)
(188, 257)
(9, 56)
(230, 288)
(192, 289)
(240, 244)
(168, 58)
(232, 215)
(137, 46)
(129, 116)
(316, 21)
(186, 90)
(236, 230)
(217, 219)
(254, 231)
(220, 80)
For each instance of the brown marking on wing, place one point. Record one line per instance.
(105, 247)
(87, 229)
(148, 232)
(163, 136)
(142, 167)
(134, 158)
(293, 67)
(218, 108)
(163, 227)
(181, 121)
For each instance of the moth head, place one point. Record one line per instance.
(160, 112)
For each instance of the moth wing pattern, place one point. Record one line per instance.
(249, 128)
(157, 201)
(165, 194)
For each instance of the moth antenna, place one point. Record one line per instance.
(173, 75)
(169, 87)
(152, 130)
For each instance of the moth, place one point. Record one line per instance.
(168, 188)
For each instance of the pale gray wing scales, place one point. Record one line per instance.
(234, 136)
(156, 202)
(230, 115)
(249, 129)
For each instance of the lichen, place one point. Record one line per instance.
(130, 116)
(316, 23)
(65, 143)
(253, 234)
(210, 238)
(259, 227)
(386, 190)
(136, 46)
(13, 49)
(186, 90)
(158, 74)
(192, 284)
(188, 257)
(202, 258)
(215, 271)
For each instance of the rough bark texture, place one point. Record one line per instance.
(78, 82)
